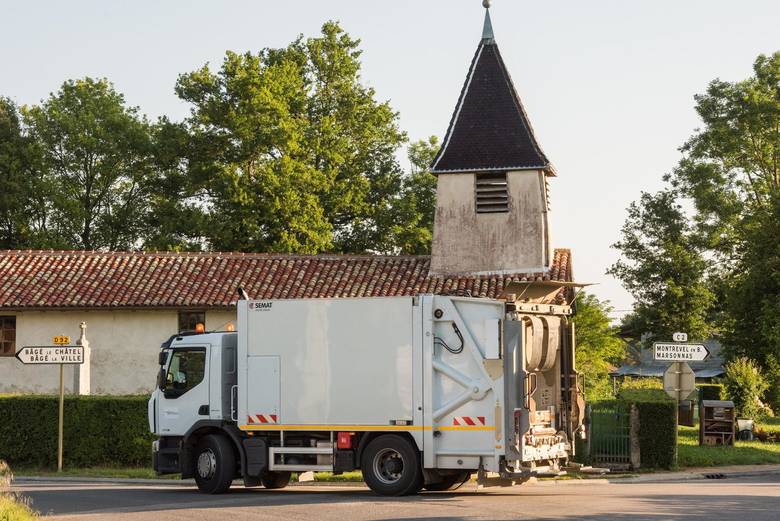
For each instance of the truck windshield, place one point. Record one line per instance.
(185, 371)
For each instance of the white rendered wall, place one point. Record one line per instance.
(124, 348)
(467, 242)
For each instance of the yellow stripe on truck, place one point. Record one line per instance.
(273, 427)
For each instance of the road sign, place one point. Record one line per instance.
(679, 381)
(680, 337)
(51, 355)
(61, 340)
(670, 352)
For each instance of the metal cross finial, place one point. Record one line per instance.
(486, 4)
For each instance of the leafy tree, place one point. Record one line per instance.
(664, 270)
(289, 151)
(731, 172)
(18, 179)
(412, 226)
(599, 347)
(746, 385)
(175, 220)
(95, 154)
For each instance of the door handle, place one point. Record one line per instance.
(233, 400)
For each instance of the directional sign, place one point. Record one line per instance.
(51, 355)
(679, 381)
(680, 352)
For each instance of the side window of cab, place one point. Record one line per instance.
(186, 370)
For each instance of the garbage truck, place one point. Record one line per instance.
(416, 392)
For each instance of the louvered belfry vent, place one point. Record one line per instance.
(491, 193)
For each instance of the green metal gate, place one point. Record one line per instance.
(609, 440)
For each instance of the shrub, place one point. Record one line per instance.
(5, 477)
(711, 391)
(11, 509)
(773, 375)
(657, 426)
(98, 431)
(746, 385)
(642, 383)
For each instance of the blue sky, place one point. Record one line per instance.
(608, 84)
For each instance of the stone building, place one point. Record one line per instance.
(491, 229)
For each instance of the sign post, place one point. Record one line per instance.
(679, 378)
(60, 354)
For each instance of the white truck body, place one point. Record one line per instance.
(449, 373)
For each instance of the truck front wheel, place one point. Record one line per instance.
(215, 464)
(391, 466)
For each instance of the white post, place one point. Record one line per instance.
(84, 370)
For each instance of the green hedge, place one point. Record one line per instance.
(98, 431)
(657, 426)
(711, 391)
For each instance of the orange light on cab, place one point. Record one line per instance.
(230, 327)
(200, 328)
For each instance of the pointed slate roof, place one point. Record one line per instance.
(489, 129)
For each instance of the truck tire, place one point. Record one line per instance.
(272, 480)
(215, 464)
(448, 482)
(391, 466)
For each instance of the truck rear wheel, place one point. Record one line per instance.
(215, 464)
(271, 480)
(391, 466)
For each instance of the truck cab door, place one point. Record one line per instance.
(184, 391)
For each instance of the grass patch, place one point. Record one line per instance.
(12, 509)
(148, 473)
(690, 454)
(327, 477)
(96, 472)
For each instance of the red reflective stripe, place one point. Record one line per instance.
(455, 421)
(481, 419)
(262, 418)
(468, 420)
(273, 417)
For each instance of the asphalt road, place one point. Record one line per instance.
(746, 499)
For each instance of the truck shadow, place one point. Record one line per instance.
(75, 500)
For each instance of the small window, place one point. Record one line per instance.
(186, 370)
(188, 320)
(491, 193)
(7, 336)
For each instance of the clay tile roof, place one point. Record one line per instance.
(89, 279)
(489, 129)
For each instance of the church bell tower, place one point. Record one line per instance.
(492, 191)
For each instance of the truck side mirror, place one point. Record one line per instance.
(161, 379)
(162, 358)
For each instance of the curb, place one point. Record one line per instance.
(18, 480)
(713, 474)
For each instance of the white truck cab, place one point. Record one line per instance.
(416, 392)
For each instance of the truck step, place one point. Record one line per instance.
(299, 467)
